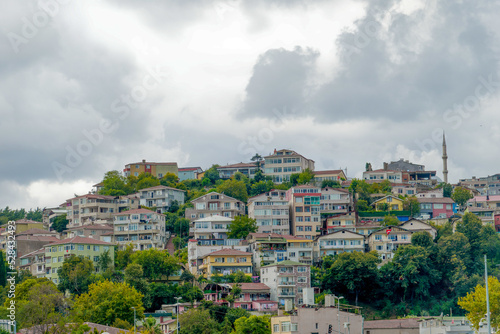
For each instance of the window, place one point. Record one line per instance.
(438, 206)
(298, 209)
(285, 326)
(302, 279)
(298, 200)
(300, 228)
(276, 328)
(81, 247)
(200, 206)
(378, 237)
(301, 269)
(96, 258)
(96, 248)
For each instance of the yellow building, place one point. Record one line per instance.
(393, 204)
(158, 169)
(23, 225)
(225, 262)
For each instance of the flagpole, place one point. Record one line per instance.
(487, 295)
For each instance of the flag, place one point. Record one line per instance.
(388, 231)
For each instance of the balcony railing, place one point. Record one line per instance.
(287, 293)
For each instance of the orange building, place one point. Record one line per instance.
(158, 169)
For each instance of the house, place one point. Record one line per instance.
(414, 173)
(213, 204)
(271, 211)
(286, 280)
(366, 227)
(161, 197)
(337, 242)
(434, 193)
(403, 166)
(341, 221)
(443, 207)
(304, 201)
(380, 175)
(283, 163)
(253, 297)
(329, 175)
(388, 203)
(416, 225)
(27, 241)
(335, 200)
(49, 214)
(189, 173)
(490, 201)
(143, 228)
(158, 169)
(198, 249)
(404, 189)
(57, 252)
(386, 241)
(26, 224)
(266, 248)
(317, 320)
(225, 262)
(489, 185)
(247, 169)
(299, 249)
(213, 227)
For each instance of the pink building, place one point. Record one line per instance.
(254, 296)
(437, 207)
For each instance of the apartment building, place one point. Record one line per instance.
(341, 222)
(386, 241)
(380, 175)
(88, 231)
(335, 201)
(299, 249)
(329, 175)
(213, 227)
(225, 262)
(443, 207)
(143, 228)
(304, 204)
(161, 197)
(57, 252)
(213, 204)
(337, 242)
(34, 262)
(416, 225)
(286, 280)
(198, 249)
(158, 169)
(283, 163)
(271, 210)
(266, 248)
(189, 173)
(247, 169)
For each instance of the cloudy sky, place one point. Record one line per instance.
(88, 86)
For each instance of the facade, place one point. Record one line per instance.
(56, 252)
(50, 213)
(329, 175)
(158, 169)
(434, 193)
(392, 326)
(254, 296)
(88, 231)
(283, 163)
(304, 204)
(34, 262)
(416, 225)
(393, 203)
(266, 248)
(247, 169)
(271, 211)
(198, 249)
(341, 222)
(386, 241)
(213, 204)
(316, 321)
(404, 189)
(189, 173)
(443, 207)
(490, 201)
(286, 280)
(338, 242)
(486, 215)
(489, 185)
(91, 209)
(335, 200)
(26, 224)
(225, 262)
(161, 197)
(214, 227)
(28, 241)
(380, 175)
(143, 228)
(403, 166)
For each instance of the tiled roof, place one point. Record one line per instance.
(265, 235)
(228, 251)
(40, 251)
(188, 169)
(251, 286)
(443, 200)
(129, 212)
(238, 165)
(286, 263)
(334, 171)
(26, 221)
(391, 324)
(161, 187)
(492, 198)
(92, 227)
(275, 154)
(33, 231)
(81, 240)
(46, 239)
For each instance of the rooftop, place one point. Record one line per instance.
(286, 263)
(81, 240)
(228, 251)
(139, 211)
(160, 187)
(239, 165)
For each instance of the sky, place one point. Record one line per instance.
(89, 86)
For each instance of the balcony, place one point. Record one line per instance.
(287, 283)
(286, 294)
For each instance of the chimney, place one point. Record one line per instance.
(386, 165)
(143, 161)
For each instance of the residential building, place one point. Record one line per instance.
(335, 200)
(366, 227)
(214, 227)
(158, 169)
(317, 320)
(416, 225)
(340, 241)
(34, 262)
(253, 297)
(198, 249)
(434, 193)
(404, 189)
(26, 224)
(304, 204)
(31, 240)
(143, 228)
(416, 173)
(271, 211)
(489, 185)
(213, 204)
(403, 166)
(247, 169)
(490, 201)
(392, 203)
(88, 231)
(443, 207)
(287, 280)
(341, 222)
(90, 209)
(392, 326)
(329, 175)
(380, 175)
(189, 173)
(283, 163)
(161, 197)
(266, 248)
(487, 215)
(57, 252)
(225, 262)
(386, 241)
(49, 214)
(299, 249)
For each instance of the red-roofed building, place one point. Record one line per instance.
(283, 163)
(253, 297)
(304, 204)
(329, 175)
(143, 228)
(226, 261)
(247, 169)
(158, 169)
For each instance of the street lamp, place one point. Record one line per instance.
(177, 310)
(338, 312)
(134, 320)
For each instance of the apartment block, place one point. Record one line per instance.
(253, 297)
(143, 228)
(94, 231)
(266, 249)
(213, 204)
(247, 169)
(225, 262)
(335, 200)
(198, 249)
(304, 204)
(271, 210)
(329, 175)
(283, 163)
(386, 241)
(161, 197)
(213, 227)
(341, 241)
(299, 249)
(337, 222)
(286, 280)
(158, 169)
(34, 262)
(189, 173)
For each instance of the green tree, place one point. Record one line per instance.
(261, 187)
(76, 274)
(330, 183)
(169, 179)
(235, 189)
(134, 276)
(114, 184)
(257, 158)
(294, 179)
(390, 220)
(105, 261)
(197, 321)
(212, 174)
(241, 227)
(382, 206)
(306, 176)
(233, 314)
(3, 270)
(124, 257)
(422, 238)
(259, 176)
(447, 190)
(362, 205)
(253, 325)
(411, 204)
(147, 181)
(474, 303)
(156, 263)
(59, 223)
(107, 301)
(150, 326)
(386, 186)
(461, 196)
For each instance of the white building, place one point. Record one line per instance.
(271, 211)
(161, 197)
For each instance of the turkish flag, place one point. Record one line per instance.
(388, 231)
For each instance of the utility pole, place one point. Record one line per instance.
(135, 332)
(487, 295)
(177, 310)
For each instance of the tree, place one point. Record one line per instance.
(390, 220)
(253, 325)
(60, 223)
(241, 227)
(382, 206)
(259, 176)
(104, 261)
(257, 158)
(3, 270)
(169, 179)
(447, 190)
(235, 189)
(461, 196)
(134, 276)
(197, 321)
(294, 179)
(261, 187)
(123, 257)
(422, 238)
(306, 176)
(147, 181)
(107, 301)
(386, 186)
(151, 327)
(330, 183)
(156, 263)
(212, 174)
(114, 184)
(474, 303)
(76, 274)
(411, 204)
(362, 205)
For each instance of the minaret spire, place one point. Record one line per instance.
(445, 161)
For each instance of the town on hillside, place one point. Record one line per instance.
(271, 245)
